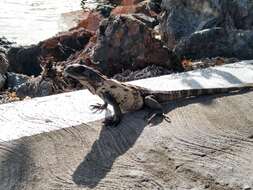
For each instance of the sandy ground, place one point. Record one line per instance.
(208, 145)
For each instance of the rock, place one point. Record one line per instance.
(217, 42)
(3, 69)
(149, 21)
(24, 60)
(130, 2)
(35, 87)
(15, 80)
(150, 71)
(2, 81)
(130, 9)
(27, 60)
(90, 21)
(189, 65)
(181, 18)
(104, 10)
(155, 5)
(4, 44)
(124, 42)
(3, 63)
(64, 44)
(51, 81)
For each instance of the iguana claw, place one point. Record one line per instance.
(98, 107)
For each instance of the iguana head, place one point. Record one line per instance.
(87, 76)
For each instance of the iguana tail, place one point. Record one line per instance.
(179, 94)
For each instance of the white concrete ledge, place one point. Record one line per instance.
(46, 114)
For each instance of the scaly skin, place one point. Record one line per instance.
(127, 98)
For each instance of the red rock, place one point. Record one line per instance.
(130, 2)
(131, 9)
(124, 42)
(90, 21)
(64, 44)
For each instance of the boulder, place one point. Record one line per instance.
(3, 69)
(130, 2)
(148, 72)
(124, 42)
(2, 81)
(4, 44)
(217, 42)
(35, 87)
(25, 60)
(28, 59)
(181, 18)
(90, 21)
(64, 44)
(130, 9)
(15, 80)
(3, 63)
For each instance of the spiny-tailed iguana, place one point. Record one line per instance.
(126, 97)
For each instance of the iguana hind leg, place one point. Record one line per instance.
(156, 108)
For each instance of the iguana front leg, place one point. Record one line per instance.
(116, 118)
(99, 107)
(156, 107)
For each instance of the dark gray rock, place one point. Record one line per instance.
(15, 80)
(181, 18)
(2, 81)
(155, 5)
(4, 44)
(3, 63)
(147, 20)
(217, 42)
(35, 87)
(150, 71)
(3, 68)
(25, 60)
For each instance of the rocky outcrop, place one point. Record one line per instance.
(35, 87)
(25, 60)
(28, 60)
(90, 21)
(217, 42)
(64, 44)
(3, 69)
(149, 71)
(125, 42)
(50, 82)
(130, 9)
(15, 80)
(4, 45)
(3, 63)
(182, 18)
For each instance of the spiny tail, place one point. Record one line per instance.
(179, 94)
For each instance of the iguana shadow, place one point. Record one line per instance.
(111, 143)
(114, 142)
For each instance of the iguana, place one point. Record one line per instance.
(127, 97)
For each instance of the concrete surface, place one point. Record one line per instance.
(69, 109)
(208, 144)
